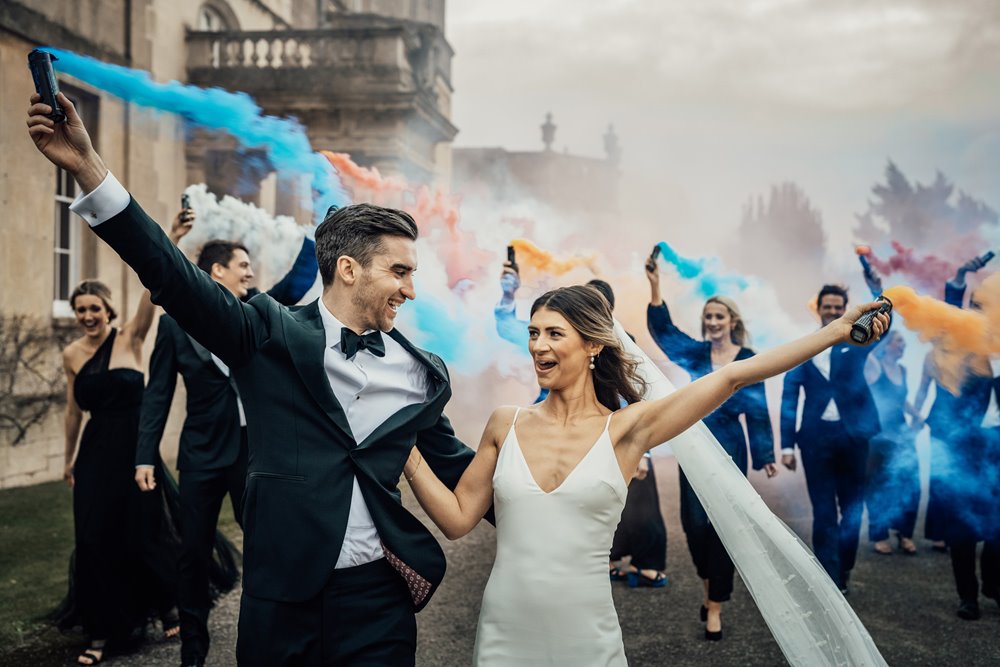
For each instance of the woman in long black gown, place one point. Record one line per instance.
(125, 559)
(724, 341)
(124, 568)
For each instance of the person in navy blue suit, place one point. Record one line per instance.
(964, 497)
(724, 340)
(839, 417)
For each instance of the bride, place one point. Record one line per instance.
(557, 474)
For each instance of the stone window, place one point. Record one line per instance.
(66, 244)
(68, 238)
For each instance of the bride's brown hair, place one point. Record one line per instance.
(588, 312)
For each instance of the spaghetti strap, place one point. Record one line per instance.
(517, 411)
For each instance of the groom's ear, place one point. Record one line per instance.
(348, 270)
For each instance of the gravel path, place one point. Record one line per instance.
(908, 605)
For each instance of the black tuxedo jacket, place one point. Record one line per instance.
(302, 455)
(846, 386)
(210, 438)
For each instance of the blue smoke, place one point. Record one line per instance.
(443, 329)
(284, 140)
(702, 270)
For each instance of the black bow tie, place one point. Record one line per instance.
(351, 342)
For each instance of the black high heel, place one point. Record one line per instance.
(713, 636)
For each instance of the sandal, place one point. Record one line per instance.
(92, 655)
(639, 580)
(171, 624)
(882, 547)
(907, 546)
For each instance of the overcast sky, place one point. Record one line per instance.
(715, 100)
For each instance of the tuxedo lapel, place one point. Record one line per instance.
(202, 353)
(438, 372)
(307, 347)
(438, 390)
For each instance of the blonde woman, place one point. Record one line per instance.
(724, 340)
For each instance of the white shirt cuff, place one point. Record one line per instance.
(102, 203)
(786, 451)
(145, 465)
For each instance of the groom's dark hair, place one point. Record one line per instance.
(357, 231)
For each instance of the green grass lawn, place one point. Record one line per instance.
(36, 539)
(36, 531)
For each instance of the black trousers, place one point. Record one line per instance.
(711, 559)
(963, 565)
(363, 617)
(202, 493)
(641, 532)
(834, 464)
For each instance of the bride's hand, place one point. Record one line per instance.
(880, 324)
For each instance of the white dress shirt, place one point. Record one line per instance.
(822, 363)
(370, 389)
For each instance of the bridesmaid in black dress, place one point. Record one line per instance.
(125, 557)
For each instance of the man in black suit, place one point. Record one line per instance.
(335, 398)
(212, 456)
(838, 419)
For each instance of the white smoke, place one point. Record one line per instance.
(273, 242)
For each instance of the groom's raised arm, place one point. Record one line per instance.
(204, 309)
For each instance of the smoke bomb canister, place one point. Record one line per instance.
(46, 85)
(861, 330)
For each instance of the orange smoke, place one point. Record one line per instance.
(531, 256)
(962, 339)
(435, 212)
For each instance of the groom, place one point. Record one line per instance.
(335, 398)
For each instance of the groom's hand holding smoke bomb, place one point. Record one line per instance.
(46, 84)
(66, 145)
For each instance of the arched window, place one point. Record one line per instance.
(210, 19)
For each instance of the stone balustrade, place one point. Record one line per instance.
(401, 48)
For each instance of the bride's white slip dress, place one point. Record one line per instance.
(548, 600)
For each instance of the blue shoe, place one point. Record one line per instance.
(617, 574)
(639, 580)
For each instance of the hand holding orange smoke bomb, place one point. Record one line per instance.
(533, 257)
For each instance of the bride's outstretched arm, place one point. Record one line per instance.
(647, 424)
(458, 512)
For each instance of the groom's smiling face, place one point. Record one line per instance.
(386, 283)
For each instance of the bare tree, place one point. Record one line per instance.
(31, 378)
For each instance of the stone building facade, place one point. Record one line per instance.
(577, 188)
(367, 77)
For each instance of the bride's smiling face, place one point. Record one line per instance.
(560, 354)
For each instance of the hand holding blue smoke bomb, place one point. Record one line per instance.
(46, 84)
